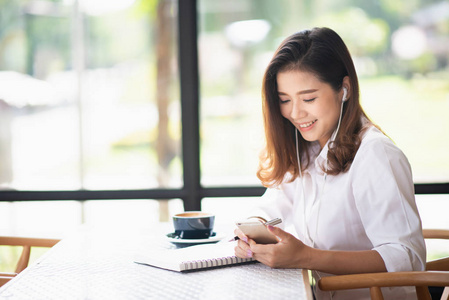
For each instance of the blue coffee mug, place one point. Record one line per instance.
(193, 225)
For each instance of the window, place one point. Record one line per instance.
(89, 109)
(89, 96)
(142, 100)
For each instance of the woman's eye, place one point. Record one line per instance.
(283, 101)
(309, 100)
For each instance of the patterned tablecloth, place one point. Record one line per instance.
(99, 265)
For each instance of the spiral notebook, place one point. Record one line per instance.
(192, 258)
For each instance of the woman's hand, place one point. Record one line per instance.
(243, 249)
(289, 252)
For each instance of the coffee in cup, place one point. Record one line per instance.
(193, 225)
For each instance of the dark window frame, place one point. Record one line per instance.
(192, 192)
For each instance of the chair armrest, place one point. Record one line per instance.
(384, 279)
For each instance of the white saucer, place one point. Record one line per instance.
(213, 239)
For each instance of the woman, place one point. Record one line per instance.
(331, 173)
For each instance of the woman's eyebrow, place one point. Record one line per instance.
(300, 92)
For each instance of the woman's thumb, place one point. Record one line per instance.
(278, 232)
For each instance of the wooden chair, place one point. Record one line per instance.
(5, 277)
(436, 274)
(26, 244)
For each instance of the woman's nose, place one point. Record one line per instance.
(297, 111)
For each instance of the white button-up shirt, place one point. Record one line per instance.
(371, 206)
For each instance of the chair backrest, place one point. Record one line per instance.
(26, 244)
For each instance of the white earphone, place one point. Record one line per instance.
(345, 93)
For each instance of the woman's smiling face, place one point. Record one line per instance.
(311, 105)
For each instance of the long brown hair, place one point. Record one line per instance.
(323, 53)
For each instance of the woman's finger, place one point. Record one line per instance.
(241, 235)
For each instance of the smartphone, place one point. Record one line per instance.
(257, 231)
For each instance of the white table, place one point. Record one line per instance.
(99, 265)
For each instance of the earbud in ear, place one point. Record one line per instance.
(345, 93)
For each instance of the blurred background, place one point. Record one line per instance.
(90, 99)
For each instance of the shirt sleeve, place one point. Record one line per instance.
(384, 196)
